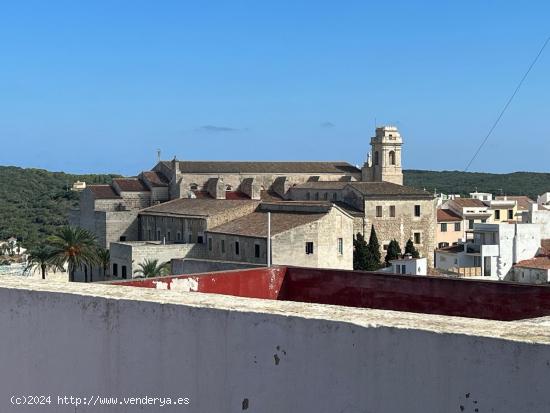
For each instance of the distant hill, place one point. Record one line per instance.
(531, 184)
(33, 202)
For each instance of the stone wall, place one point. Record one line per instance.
(403, 226)
(131, 254)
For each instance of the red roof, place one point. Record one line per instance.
(103, 192)
(540, 263)
(446, 215)
(469, 202)
(155, 178)
(130, 185)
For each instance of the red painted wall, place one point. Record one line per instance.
(432, 295)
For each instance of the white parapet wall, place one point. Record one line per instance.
(228, 354)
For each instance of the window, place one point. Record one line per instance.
(497, 214)
(194, 187)
(237, 248)
(444, 227)
(228, 188)
(443, 244)
(316, 196)
(392, 211)
(417, 210)
(209, 243)
(325, 196)
(457, 226)
(122, 238)
(392, 157)
(256, 250)
(340, 246)
(158, 234)
(190, 238)
(379, 211)
(124, 274)
(334, 196)
(470, 224)
(149, 235)
(309, 247)
(417, 238)
(223, 246)
(169, 236)
(308, 196)
(386, 247)
(178, 236)
(510, 214)
(376, 158)
(200, 239)
(403, 269)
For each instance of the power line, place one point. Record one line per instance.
(507, 104)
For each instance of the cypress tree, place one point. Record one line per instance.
(410, 249)
(394, 251)
(360, 252)
(374, 257)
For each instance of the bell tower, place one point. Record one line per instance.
(384, 161)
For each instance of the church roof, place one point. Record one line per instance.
(388, 189)
(130, 185)
(155, 178)
(255, 224)
(196, 206)
(103, 192)
(267, 167)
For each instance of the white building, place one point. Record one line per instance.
(533, 271)
(492, 251)
(410, 266)
(539, 213)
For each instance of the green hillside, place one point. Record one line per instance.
(33, 202)
(455, 182)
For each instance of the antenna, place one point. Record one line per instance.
(158, 154)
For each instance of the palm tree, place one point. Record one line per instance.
(152, 268)
(74, 246)
(104, 258)
(40, 258)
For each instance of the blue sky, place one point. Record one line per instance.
(98, 86)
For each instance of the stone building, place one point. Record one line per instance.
(179, 201)
(316, 235)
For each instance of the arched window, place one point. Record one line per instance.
(392, 157)
(194, 187)
(376, 160)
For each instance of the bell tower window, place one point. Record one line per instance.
(376, 158)
(392, 157)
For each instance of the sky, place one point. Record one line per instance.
(99, 86)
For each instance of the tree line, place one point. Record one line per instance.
(367, 256)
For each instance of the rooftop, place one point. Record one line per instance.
(387, 189)
(155, 178)
(469, 203)
(446, 215)
(196, 206)
(130, 184)
(523, 202)
(254, 167)
(541, 263)
(103, 192)
(255, 224)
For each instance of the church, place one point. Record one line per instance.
(130, 208)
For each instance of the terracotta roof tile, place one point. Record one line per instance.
(255, 224)
(542, 263)
(469, 202)
(155, 178)
(446, 215)
(523, 202)
(103, 192)
(130, 185)
(210, 167)
(196, 206)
